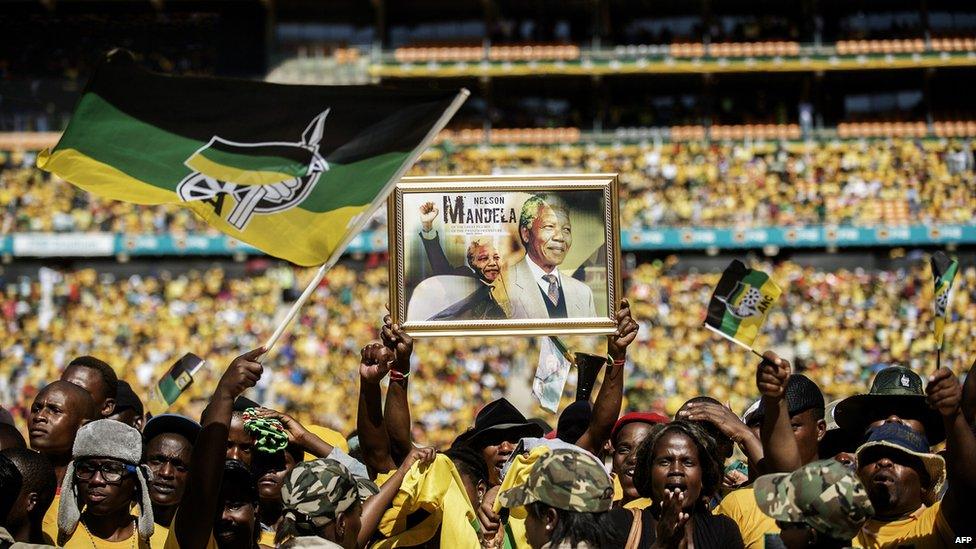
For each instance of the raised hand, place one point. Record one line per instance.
(944, 393)
(397, 340)
(490, 521)
(720, 416)
(772, 375)
(671, 526)
(375, 362)
(624, 335)
(297, 432)
(242, 374)
(425, 455)
(428, 213)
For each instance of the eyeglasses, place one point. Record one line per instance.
(112, 471)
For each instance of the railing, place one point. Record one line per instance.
(61, 245)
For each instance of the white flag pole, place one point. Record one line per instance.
(364, 217)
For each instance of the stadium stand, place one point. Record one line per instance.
(679, 184)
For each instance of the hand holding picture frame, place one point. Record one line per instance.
(505, 255)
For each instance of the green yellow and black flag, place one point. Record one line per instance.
(291, 170)
(173, 383)
(943, 271)
(740, 303)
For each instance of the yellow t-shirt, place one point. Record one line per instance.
(618, 494)
(267, 538)
(165, 538)
(741, 507)
(924, 529)
(81, 539)
(49, 524)
(438, 490)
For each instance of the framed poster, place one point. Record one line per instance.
(505, 255)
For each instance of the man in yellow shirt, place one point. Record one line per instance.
(903, 479)
(169, 442)
(792, 412)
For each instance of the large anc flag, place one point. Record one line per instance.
(292, 170)
(943, 271)
(739, 305)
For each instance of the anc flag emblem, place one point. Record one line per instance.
(943, 271)
(740, 303)
(292, 170)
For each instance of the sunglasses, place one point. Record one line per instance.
(112, 471)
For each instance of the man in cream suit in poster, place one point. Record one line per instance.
(535, 287)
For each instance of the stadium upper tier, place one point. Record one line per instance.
(349, 65)
(837, 325)
(673, 195)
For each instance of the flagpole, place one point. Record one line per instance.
(366, 215)
(733, 340)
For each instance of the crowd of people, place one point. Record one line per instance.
(884, 182)
(838, 326)
(889, 465)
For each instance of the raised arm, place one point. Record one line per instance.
(729, 424)
(945, 395)
(375, 506)
(397, 410)
(432, 245)
(373, 440)
(781, 453)
(195, 516)
(606, 407)
(969, 396)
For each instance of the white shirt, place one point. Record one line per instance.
(538, 273)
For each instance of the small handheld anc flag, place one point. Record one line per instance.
(943, 271)
(173, 383)
(740, 303)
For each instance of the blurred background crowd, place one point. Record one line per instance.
(838, 326)
(732, 185)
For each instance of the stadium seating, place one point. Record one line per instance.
(744, 178)
(836, 325)
(511, 53)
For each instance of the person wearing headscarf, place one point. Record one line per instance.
(627, 434)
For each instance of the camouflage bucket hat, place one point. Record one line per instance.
(565, 479)
(896, 390)
(316, 492)
(825, 495)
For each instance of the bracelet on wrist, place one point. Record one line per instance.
(397, 375)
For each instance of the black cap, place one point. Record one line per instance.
(802, 394)
(171, 423)
(243, 403)
(126, 398)
(239, 476)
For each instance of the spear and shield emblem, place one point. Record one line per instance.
(262, 178)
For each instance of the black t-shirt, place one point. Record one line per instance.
(710, 531)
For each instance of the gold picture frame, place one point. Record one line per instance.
(472, 267)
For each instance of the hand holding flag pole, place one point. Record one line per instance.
(740, 303)
(943, 271)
